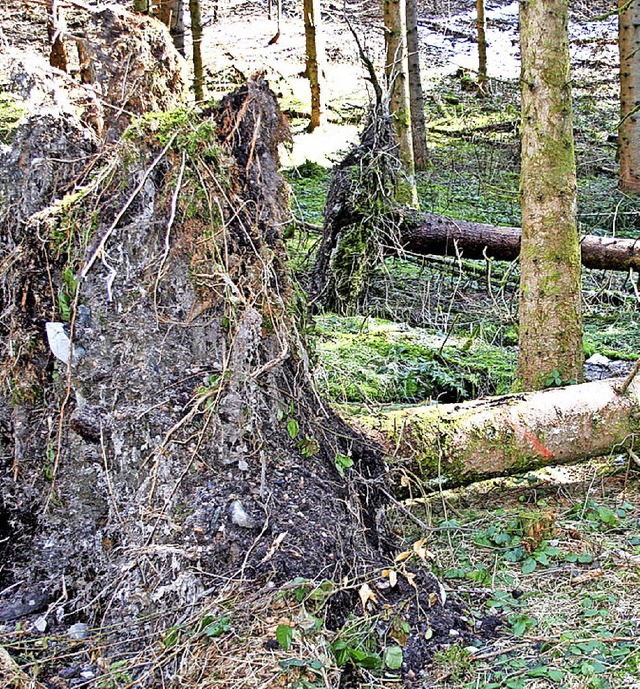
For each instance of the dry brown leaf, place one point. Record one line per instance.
(366, 595)
(589, 575)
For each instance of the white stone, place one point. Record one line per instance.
(598, 360)
(59, 341)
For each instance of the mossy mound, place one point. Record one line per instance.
(378, 361)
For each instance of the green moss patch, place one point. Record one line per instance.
(372, 360)
(11, 112)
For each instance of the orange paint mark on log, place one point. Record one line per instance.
(541, 449)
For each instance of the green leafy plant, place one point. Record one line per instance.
(213, 627)
(346, 653)
(521, 623)
(284, 636)
(342, 463)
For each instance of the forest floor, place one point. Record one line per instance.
(555, 554)
(548, 563)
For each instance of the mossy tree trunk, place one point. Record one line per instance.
(416, 94)
(196, 36)
(550, 289)
(629, 132)
(481, 23)
(314, 59)
(396, 70)
(141, 6)
(457, 444)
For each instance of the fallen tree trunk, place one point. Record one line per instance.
(462, 443)
(434, 234)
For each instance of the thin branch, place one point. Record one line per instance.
(105, 237)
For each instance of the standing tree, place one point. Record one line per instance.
(396, 69)
(416, 95)
(481, 23)
(550, 296)
(629, 131)
(171, 14)
(314, 59)
(196, 37)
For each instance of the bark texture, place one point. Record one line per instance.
(196, 37)
(426, 233)
(416, 93)
(629, 132)
(314, 59)
(481, 24)
(171, 14)
(396, 70)
(550, 288)
(461, 443)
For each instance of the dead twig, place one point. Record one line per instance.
(629, 379)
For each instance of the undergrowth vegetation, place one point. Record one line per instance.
(547, 565)
(555, 559)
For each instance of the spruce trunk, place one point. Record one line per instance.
(481, 23)
(396, 69)
(462, 443)
(629, 131)
(550, 290)
(196, 36)
(427, 233)
(314, 59)
(416, 94)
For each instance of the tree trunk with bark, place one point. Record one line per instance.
(416, 94)
(196, 38)
(457, 444)
(171, 14)
(550, 287)
(396, 70)
(481, 24)
(314, 59)
(141, 6)
(426, 233)
(629, 130)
